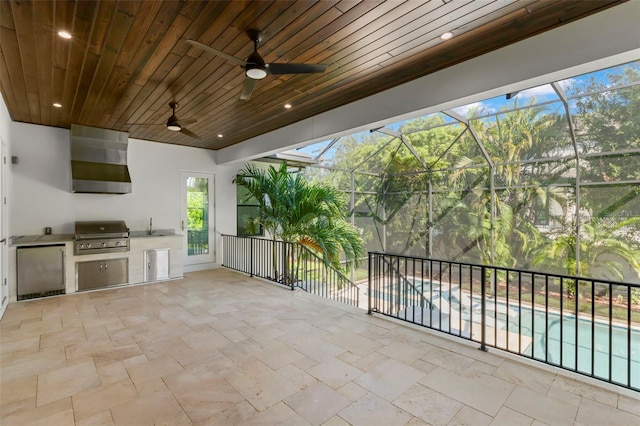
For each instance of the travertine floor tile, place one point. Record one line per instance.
(335, 373)
(259, 384)
(592, 412)
(65, 382)
(586, 391)
(629, 404)
(540, 407)
(56, 413)
(508, 417)
(317, 403)
(201, 397)
(114, 354)
(519, 374)
(404, 352)
(191, 352)
(158, 408)
(480, 391)
(373, 410)
(390, 379)
(19, 389)
(140, 370)
(428, 405)
(100, 419)
(94, 401)
(467, 416)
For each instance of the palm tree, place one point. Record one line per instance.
(604, 250)
(295, 210)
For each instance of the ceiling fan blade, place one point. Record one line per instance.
(247, 88)
(217, 52)
(283, 68)
(185, 122)
(189, 133)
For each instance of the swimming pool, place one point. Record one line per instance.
(583, 345)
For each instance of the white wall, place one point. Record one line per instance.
(595, 42)
(41, 183)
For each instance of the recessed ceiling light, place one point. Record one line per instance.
(64, 34)
(57, 105)
(219, 135)
(446, 36)
(287, 106)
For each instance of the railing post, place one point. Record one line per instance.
(287, 246)
(250, 257)
(483, 309)
(369, 284)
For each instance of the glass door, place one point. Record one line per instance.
(198, 217)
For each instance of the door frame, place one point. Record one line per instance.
(191, 262)
(4, 238)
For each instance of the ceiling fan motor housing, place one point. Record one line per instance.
(172, 122)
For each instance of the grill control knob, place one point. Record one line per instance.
(81, 246)
(88, 245)
(103, 244)
(117, 243)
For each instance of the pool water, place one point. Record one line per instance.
(558, 345)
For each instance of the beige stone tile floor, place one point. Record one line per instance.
(221, 348)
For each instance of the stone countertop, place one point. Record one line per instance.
(52, 239)
(40, 240)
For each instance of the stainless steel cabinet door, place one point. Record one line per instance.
(102, 273)
(156, 264)
(89, 274)
(115, 271)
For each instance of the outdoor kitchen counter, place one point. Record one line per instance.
(40, 240)
(140, 241)
(154, 234)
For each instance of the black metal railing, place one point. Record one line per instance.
(197, 242)
(585, 325)
(290, 264)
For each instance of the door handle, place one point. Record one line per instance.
(182, 225)
(3, 240)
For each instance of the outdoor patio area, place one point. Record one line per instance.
(221, 348)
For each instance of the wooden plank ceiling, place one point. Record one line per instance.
(127, 60)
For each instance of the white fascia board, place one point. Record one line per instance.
(598, 41)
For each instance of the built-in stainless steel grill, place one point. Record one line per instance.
(101, 237)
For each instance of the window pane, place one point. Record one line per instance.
(197, 216)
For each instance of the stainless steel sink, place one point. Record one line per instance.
(154, 233)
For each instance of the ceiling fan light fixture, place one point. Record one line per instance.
(255, 72)
(173, 125)
(64, 34)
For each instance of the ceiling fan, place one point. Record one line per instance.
(255, 67)
(174, 123)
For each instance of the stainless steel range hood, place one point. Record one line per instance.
(99, 161)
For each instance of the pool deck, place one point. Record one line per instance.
(221, 348)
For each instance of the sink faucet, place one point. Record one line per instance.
(150, 225)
